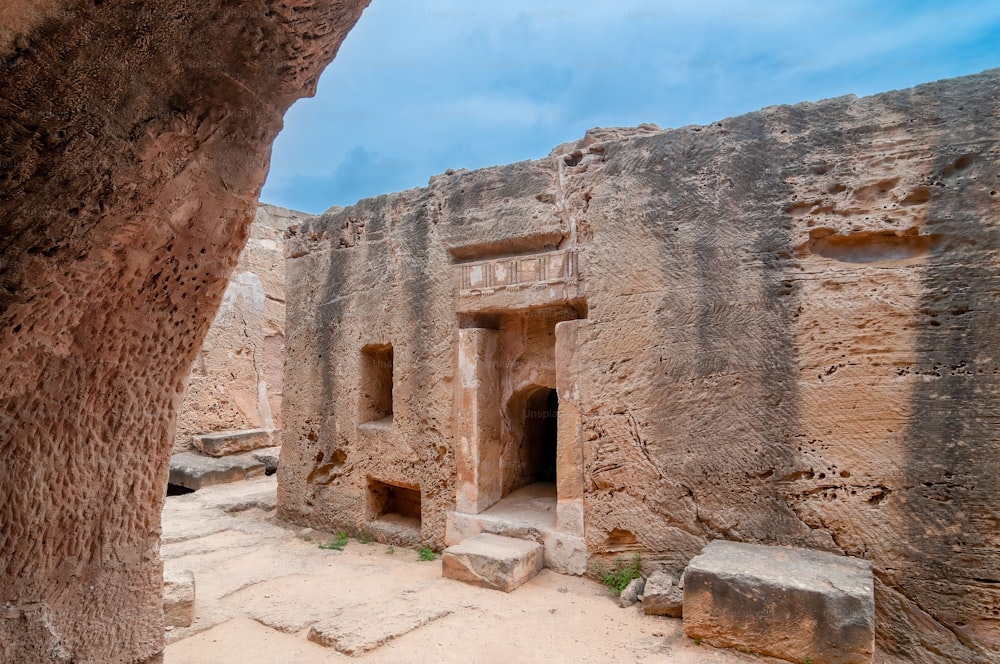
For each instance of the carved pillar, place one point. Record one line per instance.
(477, 420)
(569, 454)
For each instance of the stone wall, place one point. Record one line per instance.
(780, 328)
(135, 140)
(235, 381)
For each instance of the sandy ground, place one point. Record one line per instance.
(262, 585)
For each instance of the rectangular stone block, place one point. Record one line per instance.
(794, 604)
(492, 561)
(194, 471)
(221, 443)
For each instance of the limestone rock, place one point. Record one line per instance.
(221, 443)
(236, 380)
(194, 471)
(662, 597)
(630, 593)
(755, 330)
(178, 598)
(354, 637)
(795, 604)
(135, 140)
(492, 561)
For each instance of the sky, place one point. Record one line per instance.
(421, 86)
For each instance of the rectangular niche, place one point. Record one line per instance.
(395, 502)
(376, 384)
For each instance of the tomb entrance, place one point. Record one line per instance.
(517, 422)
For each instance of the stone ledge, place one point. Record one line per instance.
(222, 443)
(194, 471)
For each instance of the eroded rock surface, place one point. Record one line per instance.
(780, 328)
(661, 596)
(135, 140)
(235, 381)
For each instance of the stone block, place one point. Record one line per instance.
(178, 598)
(222, 443)
(492, 561)
(794, 604)
(566, 554)
(662, 597)
(194, 471)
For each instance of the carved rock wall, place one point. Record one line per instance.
(235, 381)
(135, 140)
(789, 337)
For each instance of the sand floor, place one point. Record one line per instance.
(262, 585)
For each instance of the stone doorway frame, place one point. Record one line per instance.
(477, 419)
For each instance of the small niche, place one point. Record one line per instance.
(396, 503)
(376, 385)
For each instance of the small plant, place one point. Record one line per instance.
(365, 537)
(620, 574)
(337, 543)
(807, 660)
(697, 641)
(426, 554)
(390, 549)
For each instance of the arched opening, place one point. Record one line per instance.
(534, 425)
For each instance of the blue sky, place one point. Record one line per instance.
(421, 86)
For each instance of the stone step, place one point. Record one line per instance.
(492, 561)
(194, 471)
(794, 604)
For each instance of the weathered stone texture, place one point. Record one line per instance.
(135, 140)
(235, 381)
(796, 604)
(786, 334)
(222, 443)
(492, 561)
(194, 471)
(178, 598)
(661, 596)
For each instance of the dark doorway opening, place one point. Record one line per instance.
(541, 434)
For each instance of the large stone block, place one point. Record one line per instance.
(193, 471)
(221, 443)
(795, 604)
(492, 561)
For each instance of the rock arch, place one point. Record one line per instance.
(134, 143)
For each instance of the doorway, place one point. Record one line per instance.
(534, 419)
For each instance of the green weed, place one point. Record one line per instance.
(337, 543)
(620, 574)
